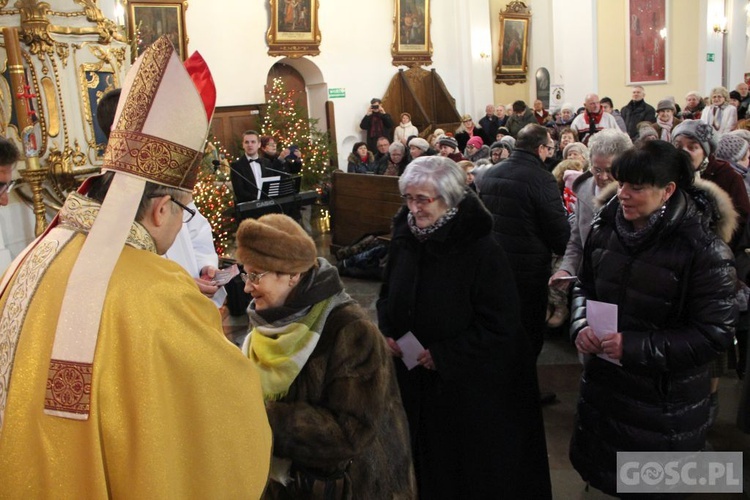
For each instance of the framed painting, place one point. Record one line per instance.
(647, 42)
(412, 44)
(150, 19)
(512, 64)
(294, 30)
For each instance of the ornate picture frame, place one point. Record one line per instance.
(293, 30)
(412, 43)
(647, 46)
(149, 19)
(515, 23)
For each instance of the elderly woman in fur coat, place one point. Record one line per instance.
(656, 250)
(472, 399)
(339, 429)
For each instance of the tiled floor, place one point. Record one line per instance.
(559, 371)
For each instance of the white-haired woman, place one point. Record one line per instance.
(472, 398)
(721, 115)
(327, 378)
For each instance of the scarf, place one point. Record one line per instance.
(666, 129)
(632, 238)
(376, 126)
(717, 112)
(423, 233)
(283, 338)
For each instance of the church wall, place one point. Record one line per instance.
(355, 54)
(684, 57)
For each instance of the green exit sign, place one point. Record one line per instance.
(336, 93)
(710, 57)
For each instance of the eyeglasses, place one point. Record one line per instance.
(602, 171)
(253, 278)
(188, 214)
(550, 148)
(418, 200)
(5, 188)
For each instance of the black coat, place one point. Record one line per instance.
(636, 112)
(530, 223)
(676, 311)
(475, 422)
(529, 218)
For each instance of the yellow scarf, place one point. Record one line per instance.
(280, 352)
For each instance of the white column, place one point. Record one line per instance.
(574, 33)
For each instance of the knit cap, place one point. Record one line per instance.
(731, 148)
(449, 141)
(475, 141)
(698, 131)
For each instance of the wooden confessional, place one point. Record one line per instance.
(423, 95)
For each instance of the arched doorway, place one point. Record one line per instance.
(294, 83)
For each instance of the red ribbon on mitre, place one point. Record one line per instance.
(200, 74)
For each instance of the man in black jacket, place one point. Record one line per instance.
(636, 111)
(529, 222)
(376, 123)
(249, 170)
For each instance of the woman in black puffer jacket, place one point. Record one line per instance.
(654, 251)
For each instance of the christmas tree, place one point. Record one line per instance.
(214, 197)
(285, 120)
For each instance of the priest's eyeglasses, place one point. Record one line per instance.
(6, 187)
(253, 278)
(418, 200)
(189, 213)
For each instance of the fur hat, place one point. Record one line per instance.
(420, 143)
(578, 146)
(666, 104)
(569, 107)
(731, 148)
(448, 141)
(735, 95)
(275, 242)
(510, 141)
(475, 141)
(503, 130)
(698, 131)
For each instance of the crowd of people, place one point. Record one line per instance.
(525, 218)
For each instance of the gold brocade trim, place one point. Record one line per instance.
(68, 387)
(19, 297)
(151, 158)
(79, 214)
(141, 96)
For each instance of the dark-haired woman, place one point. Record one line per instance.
(361, 160)
(653, 251)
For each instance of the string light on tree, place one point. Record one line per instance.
(285, 120)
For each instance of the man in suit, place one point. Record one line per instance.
(249, 170)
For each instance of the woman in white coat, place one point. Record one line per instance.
(405, 129)
(721, 115)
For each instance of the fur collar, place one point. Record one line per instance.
(355, 158)
(723, 223)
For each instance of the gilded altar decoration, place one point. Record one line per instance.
(56, 95)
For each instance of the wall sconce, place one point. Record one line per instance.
(484, 55)
(721, 26)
